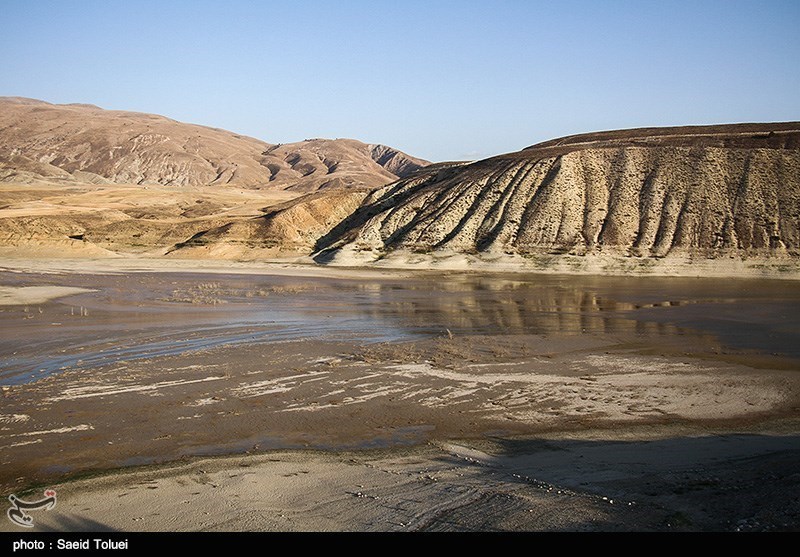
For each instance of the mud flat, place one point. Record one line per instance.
(191, 401)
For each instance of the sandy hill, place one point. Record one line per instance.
(77, 180)
(612, 201)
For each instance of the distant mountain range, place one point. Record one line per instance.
(84, 143)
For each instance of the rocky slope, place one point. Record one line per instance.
(84, 143)
(706, 192)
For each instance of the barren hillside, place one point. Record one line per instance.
(84, 143)
(699, 192)
(288, 228)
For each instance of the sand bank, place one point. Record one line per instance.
(294, 267)
(575, 485)
(22, 295)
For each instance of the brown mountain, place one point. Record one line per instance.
(621, 199)
(85, 143)
(316, 164)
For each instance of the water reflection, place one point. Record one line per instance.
(148, 314)
(740, 314)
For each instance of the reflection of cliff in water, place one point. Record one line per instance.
(750, 315)
(516, 308)
(148, 314)
(760, 316)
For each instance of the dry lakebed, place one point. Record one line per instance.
(291, 398)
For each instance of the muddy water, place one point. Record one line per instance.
(159, 314)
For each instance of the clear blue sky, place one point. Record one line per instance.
(439, 79)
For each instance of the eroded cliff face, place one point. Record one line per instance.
(649, 193)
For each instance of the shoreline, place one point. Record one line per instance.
(685, 265)
(402, 264)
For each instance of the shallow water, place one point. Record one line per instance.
(152, 314)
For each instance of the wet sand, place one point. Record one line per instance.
(402, 403)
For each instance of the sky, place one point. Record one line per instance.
(438, 79)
